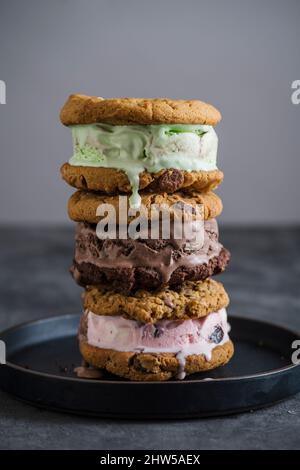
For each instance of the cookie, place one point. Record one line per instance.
(147, 263)
(112, 181)
(192, 300)
(150, 366)
(81, 109)
(82, 205)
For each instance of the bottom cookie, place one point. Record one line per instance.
(153, 366)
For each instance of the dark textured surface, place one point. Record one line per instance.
(262, 281)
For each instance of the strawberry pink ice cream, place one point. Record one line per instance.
(183, 337)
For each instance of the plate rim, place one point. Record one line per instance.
(67, 316)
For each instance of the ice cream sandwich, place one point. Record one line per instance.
(151, 310)
(156, 336)
(128, 144)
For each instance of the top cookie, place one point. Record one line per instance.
(81, 109)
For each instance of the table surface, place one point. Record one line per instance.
(262, 281)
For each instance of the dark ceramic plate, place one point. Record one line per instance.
(41, 356)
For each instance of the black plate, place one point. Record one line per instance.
(41, 356)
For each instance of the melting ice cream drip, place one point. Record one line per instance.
(136, 148)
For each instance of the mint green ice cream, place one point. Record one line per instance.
(134, 149)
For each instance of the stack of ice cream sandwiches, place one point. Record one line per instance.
(152, 310)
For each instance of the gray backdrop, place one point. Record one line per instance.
(241, 56)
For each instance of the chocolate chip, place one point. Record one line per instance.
(138, 364)
(170, 181)
(157, 332)
(82, 182)
(217, 335)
